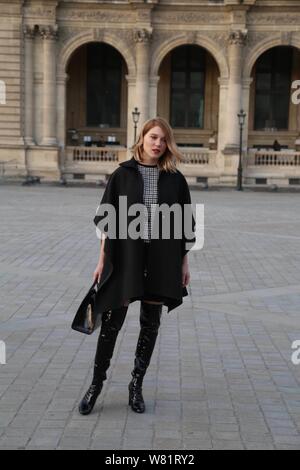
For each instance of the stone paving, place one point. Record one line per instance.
(221, 376)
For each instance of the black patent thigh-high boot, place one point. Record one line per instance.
(111, 324)
(150, 321)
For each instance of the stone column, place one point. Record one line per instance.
(49, 36)
(246, 107)
(38, 88)
(298, 118)
(131, 81)
(222, 121)
(142, 38)
(29, 64)
(153, 84)
(61, 118)
(237, 41)
(61, 108)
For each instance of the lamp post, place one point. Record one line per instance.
(241, 115)
(135, 117)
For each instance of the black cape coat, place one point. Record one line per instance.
(123, 277)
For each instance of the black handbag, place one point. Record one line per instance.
(87, 320)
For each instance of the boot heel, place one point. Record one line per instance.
(136, 400)
(129, 398)
(88, 402)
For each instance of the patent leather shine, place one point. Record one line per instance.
(136, 400)
(88, 402)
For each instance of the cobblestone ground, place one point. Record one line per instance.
(221, 374)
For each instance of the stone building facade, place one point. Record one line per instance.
(73, 71)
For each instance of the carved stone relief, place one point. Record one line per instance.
(190, 17)
(40, 12)
(66, 33)
(219, 37)
(255, 38)
(113, 16)
(29, 32)
(43, 31)
(273, 18)
(238, 37)
(143, 15)
(48, 32)
(125, 36)
(142, 35)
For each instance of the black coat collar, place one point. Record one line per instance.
(132, 163)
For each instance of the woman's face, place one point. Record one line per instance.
(154, 143)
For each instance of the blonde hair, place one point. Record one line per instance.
(171, 156)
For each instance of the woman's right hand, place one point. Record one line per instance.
(98, 272)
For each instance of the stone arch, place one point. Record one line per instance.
(83, 38)
(262, 47)
(211, 46)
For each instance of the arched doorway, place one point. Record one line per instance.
(96, 96)
(272, 113)
(188, 94)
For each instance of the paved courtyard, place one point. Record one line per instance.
(221, 376)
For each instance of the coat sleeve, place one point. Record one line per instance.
(109, 197)
(188, 231)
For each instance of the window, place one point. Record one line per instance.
(187, 87)
(273, 84)
(104, 73)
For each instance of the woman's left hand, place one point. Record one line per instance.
(185, 272)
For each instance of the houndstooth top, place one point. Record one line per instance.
(150, 175)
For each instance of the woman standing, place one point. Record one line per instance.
(153, 270)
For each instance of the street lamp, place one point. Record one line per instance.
(135, 117)
(241, 115)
